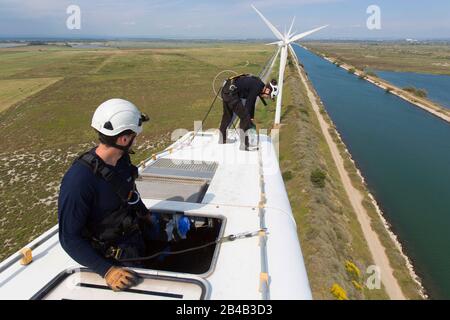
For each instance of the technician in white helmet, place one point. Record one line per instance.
(100, 212)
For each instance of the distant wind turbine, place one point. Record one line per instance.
(284, 44)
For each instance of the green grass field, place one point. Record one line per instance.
(15, 90)
(422, 58)
(47, 124)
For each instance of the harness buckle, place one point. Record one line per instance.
(113, 252)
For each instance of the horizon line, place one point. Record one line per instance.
(175, 38)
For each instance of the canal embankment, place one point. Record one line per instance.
(397, 272)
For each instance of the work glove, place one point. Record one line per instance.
(119, 279)
(184, 225)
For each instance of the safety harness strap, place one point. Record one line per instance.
(238, 76)
(121, 221)
(99, 168)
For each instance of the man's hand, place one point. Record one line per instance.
(119, 279)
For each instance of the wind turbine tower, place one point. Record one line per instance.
(284, 44)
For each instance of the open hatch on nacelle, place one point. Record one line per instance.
(203, 234)
(168, 276)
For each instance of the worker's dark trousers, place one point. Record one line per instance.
(232, 104)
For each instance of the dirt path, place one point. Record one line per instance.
(104, 63)
(376, 248)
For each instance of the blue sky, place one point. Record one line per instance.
(225, 19)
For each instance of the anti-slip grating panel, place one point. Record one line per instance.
(181, 168)
(176, 180)
(173, 189)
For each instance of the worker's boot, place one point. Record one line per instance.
(247, 147)
(253, 138)
(222, 137)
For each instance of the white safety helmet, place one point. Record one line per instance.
(274, 86)
(115, 116)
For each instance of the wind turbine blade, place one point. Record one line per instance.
(304, 34)
(292, 51)
(273, 43)
(290, 29)
(270, 25)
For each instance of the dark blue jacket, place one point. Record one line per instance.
(85, 198)
(249, 88)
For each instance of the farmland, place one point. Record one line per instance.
(431, 58)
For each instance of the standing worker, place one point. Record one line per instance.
(100, 212)
(246, 87)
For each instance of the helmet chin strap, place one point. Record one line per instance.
(125, 149)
